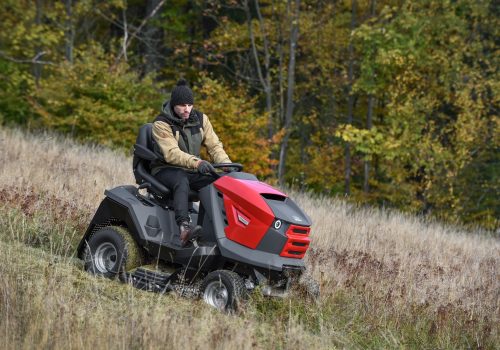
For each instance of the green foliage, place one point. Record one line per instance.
(430, 66)
(15, 86)
(22, 36)
(436, 117)
(94, 101)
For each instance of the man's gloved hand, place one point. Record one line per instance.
(205, 167)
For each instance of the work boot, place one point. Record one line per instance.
(188, 232)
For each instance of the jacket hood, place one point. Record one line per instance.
(168, 112)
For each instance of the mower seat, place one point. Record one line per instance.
(144, 155)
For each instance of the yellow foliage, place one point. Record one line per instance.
(238, 124)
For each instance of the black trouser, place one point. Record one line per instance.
(179, 182)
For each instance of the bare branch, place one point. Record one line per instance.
(252, 81)
(125, 34)
(133, 35)
(34, 60)
(254, 47)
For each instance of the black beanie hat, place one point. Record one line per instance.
(181, 94)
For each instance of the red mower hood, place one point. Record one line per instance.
(248, 215)
(253, 208)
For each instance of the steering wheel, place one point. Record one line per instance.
(231, 166)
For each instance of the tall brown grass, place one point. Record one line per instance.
(387, 279)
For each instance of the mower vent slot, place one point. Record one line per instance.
(223, 209)
(297, 242)
(274, 197)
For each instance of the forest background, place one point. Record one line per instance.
(393, 103)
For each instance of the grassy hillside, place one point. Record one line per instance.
(387, 280)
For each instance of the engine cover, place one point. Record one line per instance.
(248, 216)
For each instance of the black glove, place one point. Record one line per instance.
(205, 167)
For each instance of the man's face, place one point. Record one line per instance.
(183, 111)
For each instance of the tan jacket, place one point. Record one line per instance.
(174, 156)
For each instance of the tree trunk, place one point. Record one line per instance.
(267, 65)
(37, 67)
(153, 37)
(70, 31)
(126, 41)
(125, 34)
(369, 124)
(373, 8)
(350, 106)
(279, 48)
(265, 81)
(294, 35)
(369, 117)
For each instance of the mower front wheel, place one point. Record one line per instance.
(110, 251)
(223, 289)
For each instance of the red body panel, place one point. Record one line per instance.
(297, 243)
(248, 215)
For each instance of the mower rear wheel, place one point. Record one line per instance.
(110, 251)
(223, 289)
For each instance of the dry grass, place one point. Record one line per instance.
(405, 258)
(388, 280)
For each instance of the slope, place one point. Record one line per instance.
(388, 280)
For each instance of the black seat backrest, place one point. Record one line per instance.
(144, 155)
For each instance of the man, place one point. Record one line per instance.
(179, 132)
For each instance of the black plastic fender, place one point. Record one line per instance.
(148, 223)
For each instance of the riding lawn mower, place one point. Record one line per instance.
(252, 235)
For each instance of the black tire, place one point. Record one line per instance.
(223, 290)
(111, 251)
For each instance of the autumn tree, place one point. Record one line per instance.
(392, 102)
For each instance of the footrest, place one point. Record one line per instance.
(152, 281)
